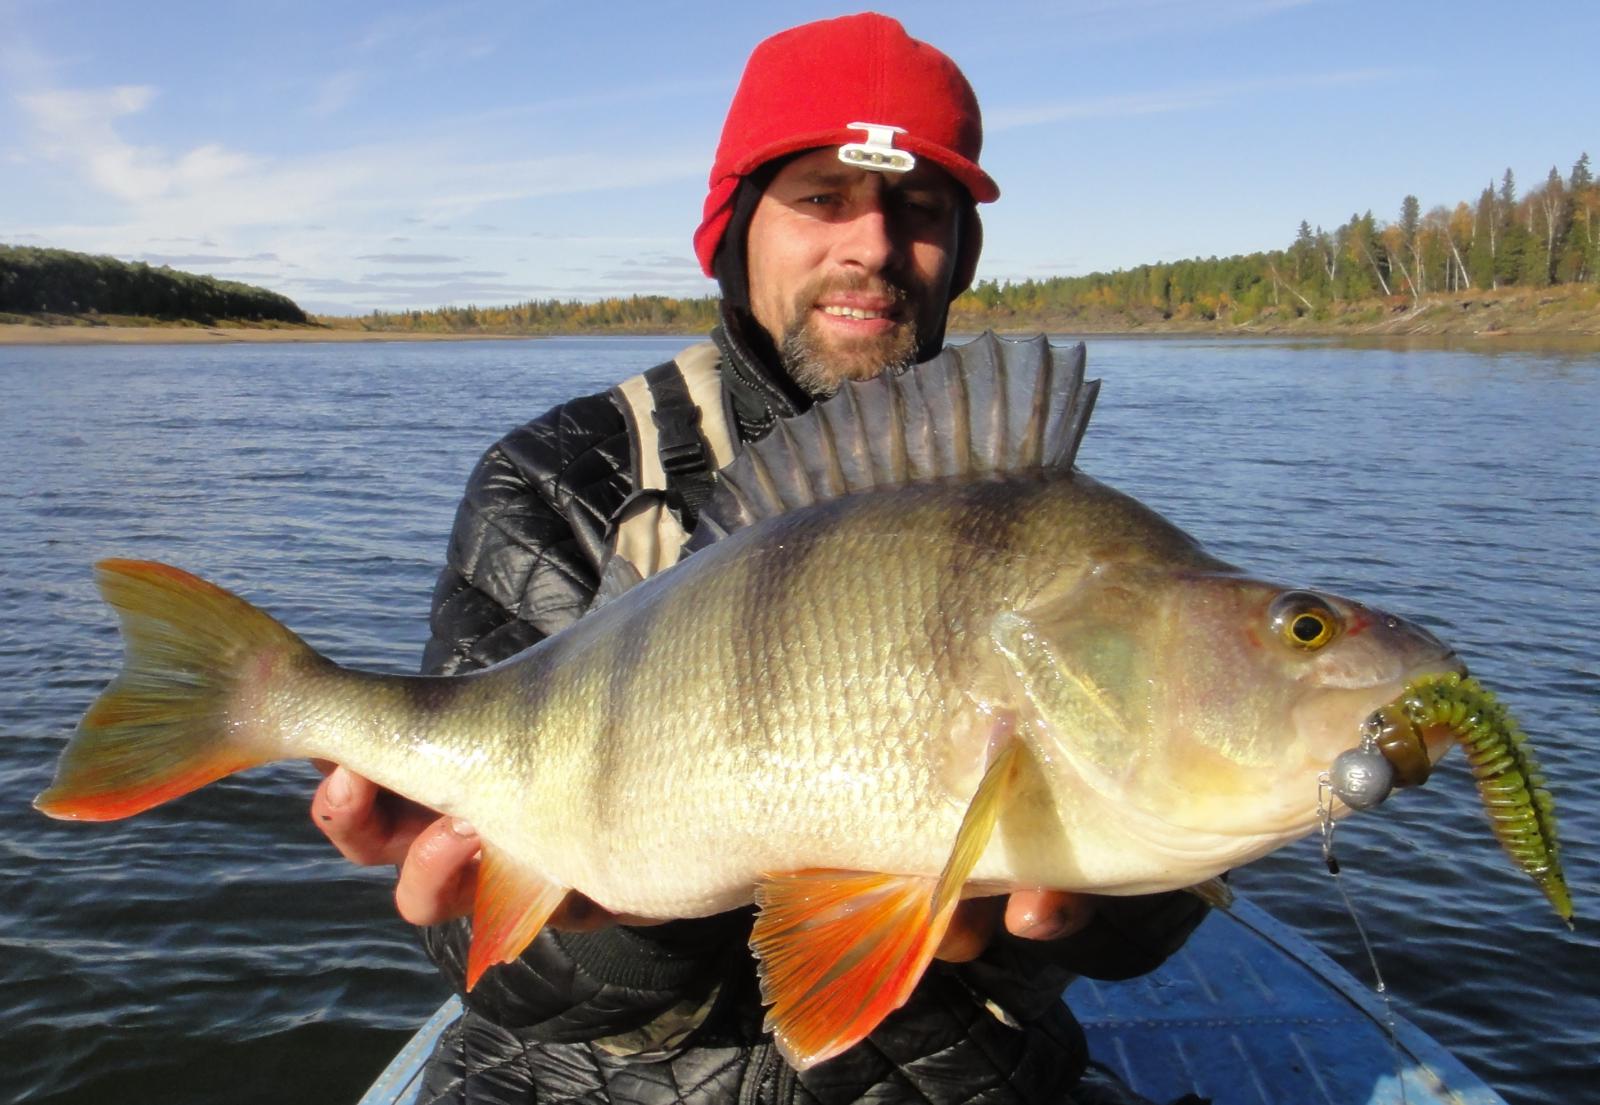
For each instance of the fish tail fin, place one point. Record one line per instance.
(169, 723)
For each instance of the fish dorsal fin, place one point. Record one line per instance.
(987, 407)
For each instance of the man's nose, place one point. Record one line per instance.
(869, 238)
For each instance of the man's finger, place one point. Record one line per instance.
(971, 928)
(440, 873)
(366, 823)
(1047, 914)
(344, 808)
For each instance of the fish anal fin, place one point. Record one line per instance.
(840, 950)
(511, 905)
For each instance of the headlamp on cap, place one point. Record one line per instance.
(877, 152)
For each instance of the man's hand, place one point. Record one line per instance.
(438, 861)
(437, 856)
(1034, 914)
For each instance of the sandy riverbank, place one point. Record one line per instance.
(24, 334)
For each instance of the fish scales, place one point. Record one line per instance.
(795, 688)
(741, 722)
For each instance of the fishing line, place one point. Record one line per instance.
(1325, 816)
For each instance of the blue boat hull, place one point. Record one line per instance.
(1250, 1013)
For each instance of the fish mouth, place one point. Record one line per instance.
(1412, 740)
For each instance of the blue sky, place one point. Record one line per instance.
(362, 155)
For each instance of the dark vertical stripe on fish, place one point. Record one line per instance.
(987, 521)
(432, 694)
(774, 597)
(627, 687)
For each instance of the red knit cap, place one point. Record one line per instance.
(803, 87)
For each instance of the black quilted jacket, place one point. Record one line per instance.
(669, 1014)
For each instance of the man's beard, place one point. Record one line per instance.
(820, 368)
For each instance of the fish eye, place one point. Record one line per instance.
(1303, 620)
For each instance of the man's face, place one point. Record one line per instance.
(850, 268)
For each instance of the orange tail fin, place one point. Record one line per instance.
(163, 727)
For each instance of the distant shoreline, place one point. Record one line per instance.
(1568, 315)
(26, 334)
(17, 334)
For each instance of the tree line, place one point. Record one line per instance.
(1547, 236)
(638, 314)
(59, 281)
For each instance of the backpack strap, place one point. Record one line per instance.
(680, 427)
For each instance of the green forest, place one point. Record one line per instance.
(1505, 242)
(1547, 236)
(635, 314)
(60, 282)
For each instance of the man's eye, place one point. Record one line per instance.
(925, 206)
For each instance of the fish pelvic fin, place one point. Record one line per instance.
(163, 727)
(839, 951)
(511, 905)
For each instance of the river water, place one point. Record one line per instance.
(217, 949)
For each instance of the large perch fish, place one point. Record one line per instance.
(916, 657)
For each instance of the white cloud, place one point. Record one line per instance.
(213, 189)
(78, 126)
(336, 91)
(76, 109)
(427, 37)
(1190, 98)
(307, 213)
(121, 169)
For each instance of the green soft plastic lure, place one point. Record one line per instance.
(1510, 782)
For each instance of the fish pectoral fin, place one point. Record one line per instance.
(1079, 679)
(840, 950)
(511, 906)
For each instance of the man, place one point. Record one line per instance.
(841, 222)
